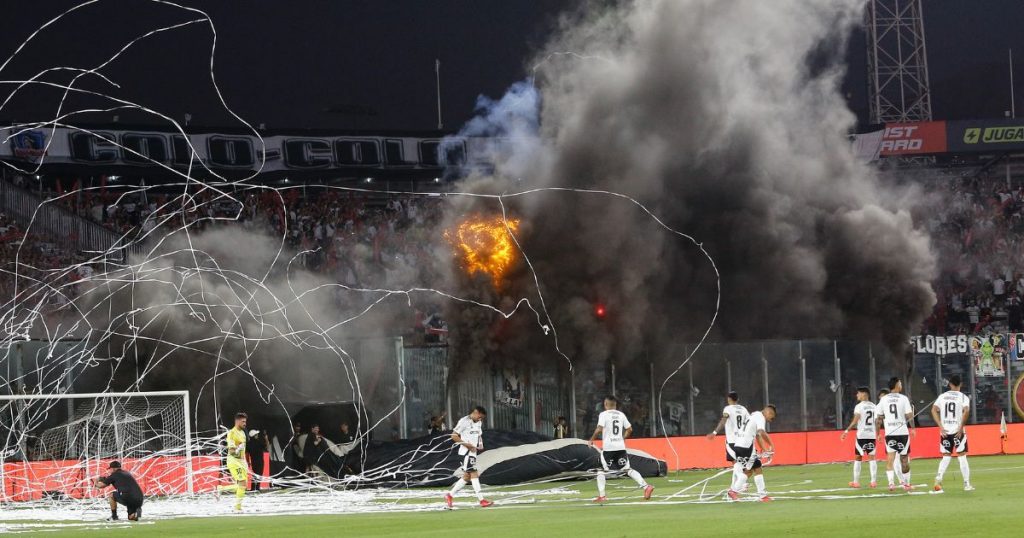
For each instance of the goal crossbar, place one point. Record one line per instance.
(94, 395)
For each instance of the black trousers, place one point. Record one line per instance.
(257, 470)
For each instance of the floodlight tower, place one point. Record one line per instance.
(897, 62)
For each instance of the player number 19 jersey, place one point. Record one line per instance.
(613, 425)
(952, 405)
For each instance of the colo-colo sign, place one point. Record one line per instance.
(940, 345)
(241, 152)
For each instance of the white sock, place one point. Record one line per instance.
(459, 484)
(889, 474)
(740, 482)
(906, 478)
(759, 482)
(637, 478)
(476, 488)
(856, 471)
(600, 484)
(873, 465)
(737, 475)
(943, 465)
(965, 469)
(897, 467)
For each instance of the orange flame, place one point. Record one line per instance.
(485, 245)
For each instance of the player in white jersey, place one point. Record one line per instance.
(898, 420)
(613, 428)
(469, 436)
(864, 417)
(734, 416)
(748, 458)
(950, 412)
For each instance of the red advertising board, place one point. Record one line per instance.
(914, 138)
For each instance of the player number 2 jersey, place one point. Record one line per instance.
(613, 425)
(736, 416)
(952, 405)
(236, 444)
(470, 432)
(867, 412)
(894, 408)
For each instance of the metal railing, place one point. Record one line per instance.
(64, 228)
(813, 383)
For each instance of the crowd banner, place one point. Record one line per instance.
(240, 152)
(1016, 344)
(987, 353)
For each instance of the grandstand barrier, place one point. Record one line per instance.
(799, 448)
(159, 475)
(65, 228)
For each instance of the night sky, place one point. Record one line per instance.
(367, 64)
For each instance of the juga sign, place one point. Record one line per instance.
(986, 135)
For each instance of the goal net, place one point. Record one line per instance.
(55, 446)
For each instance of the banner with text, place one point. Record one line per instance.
(241, 152)
(986, 135)
(988, 353)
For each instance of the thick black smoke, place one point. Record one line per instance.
(720, 118)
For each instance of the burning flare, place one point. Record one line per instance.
(485, 245)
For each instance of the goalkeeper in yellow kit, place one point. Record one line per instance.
(236, 460)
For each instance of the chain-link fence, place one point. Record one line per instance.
(812, 383)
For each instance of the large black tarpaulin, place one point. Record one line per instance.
(509, 458)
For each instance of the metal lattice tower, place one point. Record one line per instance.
(897, 62)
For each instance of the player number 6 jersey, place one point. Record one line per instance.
(613, 425)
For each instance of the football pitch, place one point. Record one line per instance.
(809, 500)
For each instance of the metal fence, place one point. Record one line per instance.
(813, 384)
(63, 227)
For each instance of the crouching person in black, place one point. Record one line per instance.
(126, 491)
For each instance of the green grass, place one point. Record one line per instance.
(993, 510)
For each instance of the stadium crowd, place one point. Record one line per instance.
(356, 239)
(36, 258)
(978, 237)
(364, 240)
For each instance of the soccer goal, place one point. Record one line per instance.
(56, 445)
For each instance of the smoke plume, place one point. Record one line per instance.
(724, 118)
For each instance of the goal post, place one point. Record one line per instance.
(47, 451)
